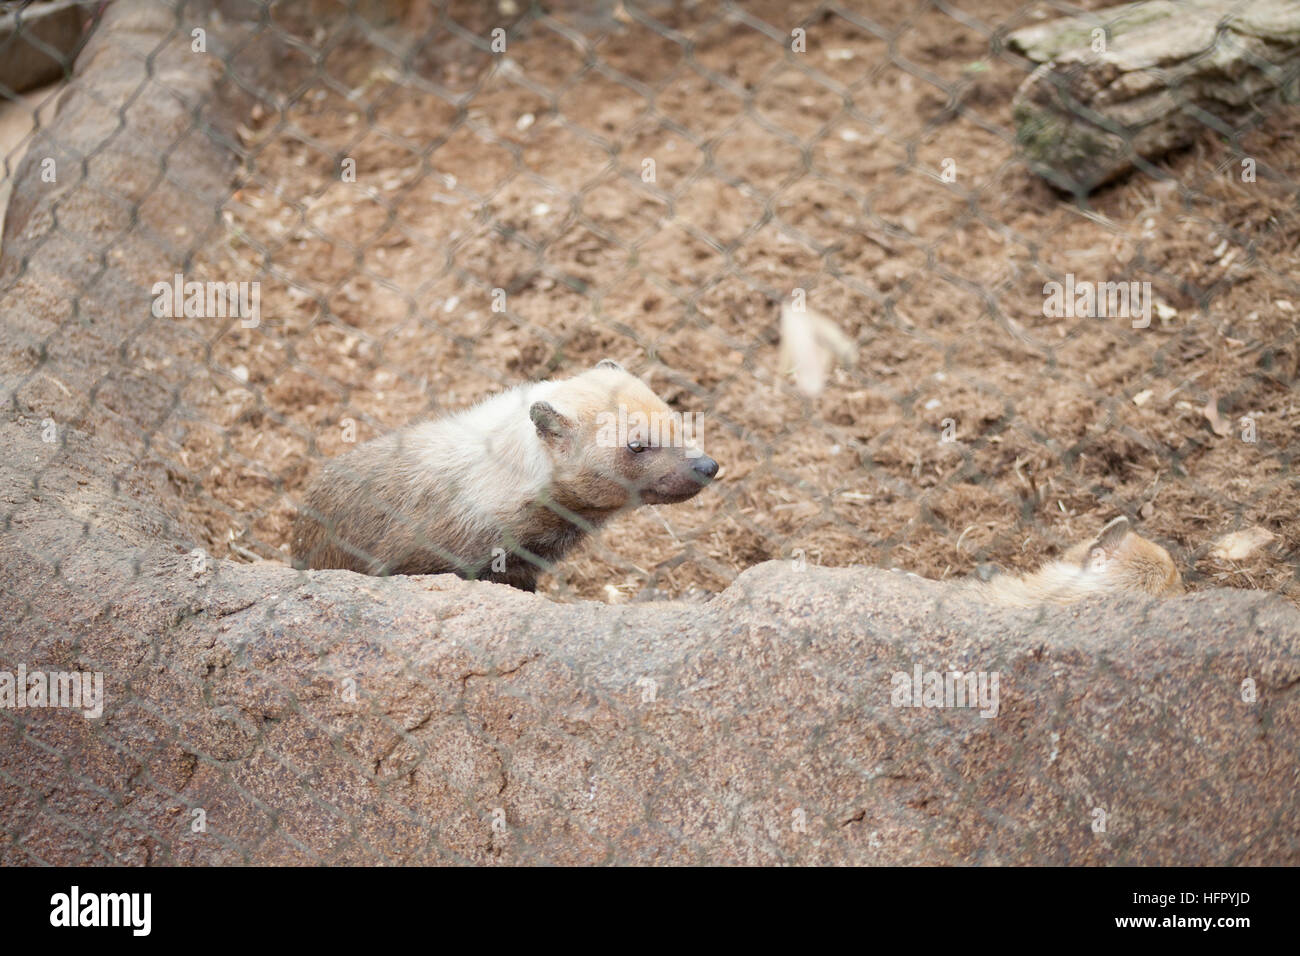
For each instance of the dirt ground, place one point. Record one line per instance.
(376, 295)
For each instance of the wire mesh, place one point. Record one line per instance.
(430, 203)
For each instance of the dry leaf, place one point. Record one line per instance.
(1240, 545)
(810, 346)
(1220, 425)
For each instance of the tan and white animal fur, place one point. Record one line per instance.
(1117, 560)
(501, 490)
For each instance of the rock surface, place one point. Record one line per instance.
(332, 717)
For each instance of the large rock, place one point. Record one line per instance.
(254, 713)
(330, 717)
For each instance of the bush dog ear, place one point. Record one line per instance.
(1107, 542)
(551, 425)
(610, 363)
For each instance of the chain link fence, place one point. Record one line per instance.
(812, 225)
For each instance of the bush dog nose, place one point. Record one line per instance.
(706, 467)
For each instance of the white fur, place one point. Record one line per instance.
(491, 453)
